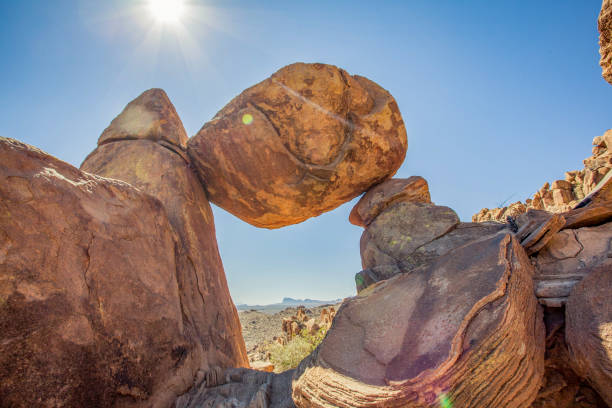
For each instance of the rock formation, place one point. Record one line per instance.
(90, 307)
(464, 330)
(589, 328)
(302, 142)
(563, 195)
(160, 167)
(605, 39)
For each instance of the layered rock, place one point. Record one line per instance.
(91, 313)
(161, 168)
(463, 330)
(405, 231)
(589, 329)
(605, 39)
(563, 195)
(299, 143)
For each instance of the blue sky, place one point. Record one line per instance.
(497, 97)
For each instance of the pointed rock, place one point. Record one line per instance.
(150, 116)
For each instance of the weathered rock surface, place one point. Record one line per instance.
(464, 331)
(408, 235)
(589, 330)
(387, 193)
(299, 143)
(605, 39)
(566, 194)
(90, 310)
(162, 171)
(240, 388)
(571, 255)
(150, 116)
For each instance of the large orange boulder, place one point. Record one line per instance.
(90, 307)
(299, 143)
(464, 331)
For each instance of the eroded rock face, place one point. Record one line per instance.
(570, 256)
(387, 193)
(163, 171)
(299, 143)
(408, 235)
(464, 330)
(90, 310)
(605, 39)
(589, 330)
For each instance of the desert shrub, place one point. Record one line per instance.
(289, 356)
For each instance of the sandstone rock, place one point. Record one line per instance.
(240, 388)
(589, 330)
(90, 310)
(464, 331)
(150, 116)
(409, 235)
(299, 143)
(594, 214)
(387, 193)
(605, 39)
(538, 228)
(567, 258)
(163, 172)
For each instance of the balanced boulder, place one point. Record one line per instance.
(299, 143)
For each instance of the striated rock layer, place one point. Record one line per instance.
(563, 195)
(91, 313)
(589, 329)
(463, 331)
(304, 141)
(163, 171)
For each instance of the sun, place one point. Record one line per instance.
(167, 11)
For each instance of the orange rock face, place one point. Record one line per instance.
(387, 193)
(464, 331)
(605, 39)
(589, 330)
(162, 170)
(300, 143)
(90, 307)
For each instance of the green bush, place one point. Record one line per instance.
(289, 356)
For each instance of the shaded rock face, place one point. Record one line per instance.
(410, 234)
(299, 143)
(563, 195)
(464, 330)
(240, 388)
(605, 39)
(163, 171)
(90, 310)
(589, 330)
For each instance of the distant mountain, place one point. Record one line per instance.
(288, 302)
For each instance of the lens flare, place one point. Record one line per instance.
(247, 118)
(445, 401)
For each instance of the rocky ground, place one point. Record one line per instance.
(260, 329)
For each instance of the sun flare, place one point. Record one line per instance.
(167, 11)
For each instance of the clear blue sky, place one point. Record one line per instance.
(497, 96)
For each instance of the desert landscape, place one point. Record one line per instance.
(113, 291)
